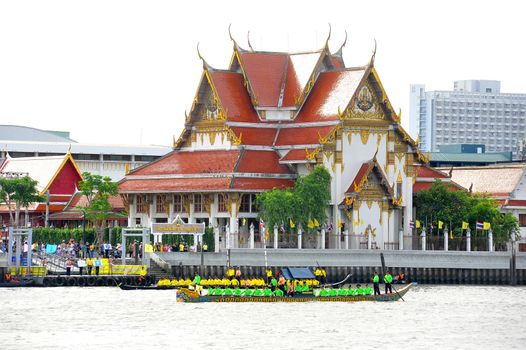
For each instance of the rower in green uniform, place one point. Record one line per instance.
(388, 279)
(376, 283)
(197, 280)
(273, 283)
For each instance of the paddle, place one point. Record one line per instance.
(383, 271)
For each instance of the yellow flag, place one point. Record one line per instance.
(244, 222)
(148, 248)
(487, 225)
(291, 223)
(339, 223)
(266, 236)
(440, 224)
(451, 234)
(310, 224)
(316, 223)
(465, 225)
(417, 224)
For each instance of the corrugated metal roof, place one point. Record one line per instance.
(470, 157)
(24, 133)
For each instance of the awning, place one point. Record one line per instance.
(297, 273)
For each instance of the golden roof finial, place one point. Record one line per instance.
(248, 39)
(340, 50)
(371, 61)
(69, 149)
(126, 168)
(328, 37)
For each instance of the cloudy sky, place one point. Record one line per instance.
(126, 71)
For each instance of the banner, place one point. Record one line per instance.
(81, 263)
(440, 224)
(487, 225)
(291, 223)
(417, 224)
(480, 225)
(148, 248)
(51, 249)
(465, 225)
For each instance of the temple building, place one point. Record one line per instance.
(269, 118)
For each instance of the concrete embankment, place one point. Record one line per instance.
(435, 267)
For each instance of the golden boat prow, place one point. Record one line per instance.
(191, 296)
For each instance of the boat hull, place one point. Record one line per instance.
(190, 296)
(129, 287)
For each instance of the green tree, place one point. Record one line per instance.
(450, 206)
(97, 190)
(20, 192)
(307, 200)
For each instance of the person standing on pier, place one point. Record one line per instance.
(388, 279)
(238, 274)
(376, 283)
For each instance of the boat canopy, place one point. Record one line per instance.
(297, 273)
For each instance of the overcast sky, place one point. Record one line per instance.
(126, 71)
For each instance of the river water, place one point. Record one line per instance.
(432, 317)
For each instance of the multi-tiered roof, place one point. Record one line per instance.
(251, 123)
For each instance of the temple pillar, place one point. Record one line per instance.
(468, 240)
(233, 225)
(385, 219)
(216, 239)
(346, 237)
(423, 239)
(251, 240)
(323, 238)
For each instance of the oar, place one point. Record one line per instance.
(383, 271)
(400, 295)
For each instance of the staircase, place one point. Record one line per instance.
(158, 272)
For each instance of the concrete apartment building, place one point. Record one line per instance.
(475, 112)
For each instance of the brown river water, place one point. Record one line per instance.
(432, 317)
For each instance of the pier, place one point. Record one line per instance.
(427, 267)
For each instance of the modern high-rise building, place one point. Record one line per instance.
(475, 112)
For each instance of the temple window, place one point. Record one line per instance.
(160, 205)
(141, 204)
(245, 204)
(221, 204)
(178, 203)
(198, 203)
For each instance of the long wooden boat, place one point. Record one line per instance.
(22, 283)
(189, 296)
(130, 287)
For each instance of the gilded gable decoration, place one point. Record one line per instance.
(365, 101)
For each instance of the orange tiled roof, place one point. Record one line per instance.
(176, 185)
(234, 96)
(179, 162)
(266, 162)
(255, 136)
(265, 72)
(261, 184)
(302, 136)
(332, 90)
(296, 155)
